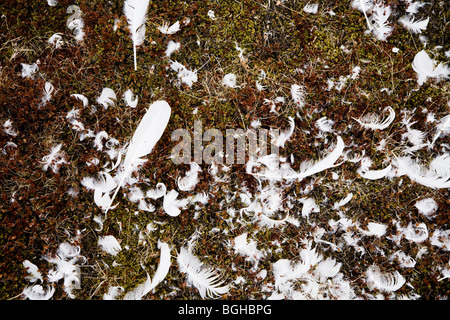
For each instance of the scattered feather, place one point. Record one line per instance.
(109, 244)
(136, 13)
(161, 272)
(33, 271)
(172, 205)
(372, 121)
(186, 76)
(442, 128)
(229, 80)
(188, 182)
(427, 207)
(37, 292)
(414, 26)
(172, 47)
(147, 134)
(75, 22)
(375, 229)
(28, 70)
(298, 95)
(165, 29)
(309, 168)
(158, 192)
(130, 100)
(202, 277)
(54, 160)
(380, 16)
(311, 8)
(56, 40)
(419, 174)
(81, 98)
(388, 282)
(425, 67)
(107, 98)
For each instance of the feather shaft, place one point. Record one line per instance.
(147, 134)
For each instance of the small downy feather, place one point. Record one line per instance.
(298, 95)
(37, 292)
(388, 282)
(147, 134)
(129, 98)
(429, 178)
(109, 244)
(172, 205)
(136, 13)
(284, 135)
(442, 128)
(163, 268)
(204, 278)
(425, 67)
(165, 29)
(190, 180)
(372, 121)
(81, 98)
(380, 16)
(33, 270)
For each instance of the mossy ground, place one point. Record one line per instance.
(291, 47)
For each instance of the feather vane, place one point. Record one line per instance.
(136, 13)
(147, 134)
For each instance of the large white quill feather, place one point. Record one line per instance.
(163, 268)
(136, 13)
(147, 134)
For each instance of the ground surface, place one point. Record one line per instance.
(380, 244)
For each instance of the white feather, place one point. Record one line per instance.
(158, 192)
(147, 134)
(172, 205)
(308, 168)
(343, 202)
(81, 98)
(33, 270)
(375, 229)
(190, 180)
(442, 128)
(425, 67)
(380, 16)
(284, 135)
(48, 91)
(388, 282)
(311, 8)
(298, 94)
(37, 292)
(414, 26)
(136, 13)
(161, 272)
(107, 98)
(417, 173)
(427, 207)
(113, 292)
(186, 76)
(372, 121)
(129, 98)
(202, 277)
(328, 268)
(172, 47)
(165, 29)
(109, 244)
(374, 174)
